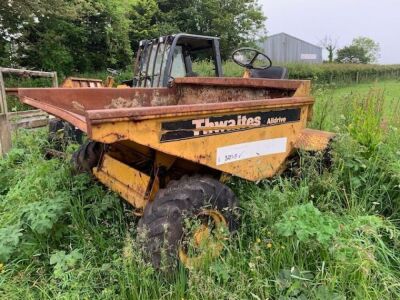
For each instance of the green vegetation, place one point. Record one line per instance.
(336, 105)
(343, 73)
(91, 35)
(362, 50)
(337, 74)
(329, 236)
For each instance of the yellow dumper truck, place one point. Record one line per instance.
(166, 140)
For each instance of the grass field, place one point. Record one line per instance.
(321, 236)
(335, 102)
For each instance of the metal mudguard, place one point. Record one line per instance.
(313, 140)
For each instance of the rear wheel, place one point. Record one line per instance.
(87, 157)
(163, 230)
(62, 133)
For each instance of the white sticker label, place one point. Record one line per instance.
(307, 56)
(243, 151)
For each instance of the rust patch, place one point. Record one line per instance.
(198, 94)
(191, 94)
(163, 100)
(76, 105)
(86, 106)
(123, 103)
(115, 136)
(11, 91)
(240, 82)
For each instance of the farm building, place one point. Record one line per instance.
(285, 48)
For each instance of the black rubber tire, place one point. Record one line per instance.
(55, 125)
(73, 134)
(87, 157)
(69, 134)
(161, 228)
(53, 137)
(327, 158)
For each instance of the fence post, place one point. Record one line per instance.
(5, 135)
(54, 79)
(3, 97)
(357, 77)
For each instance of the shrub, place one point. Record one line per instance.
(318, 73)
(343, 73)
(9, 240)
(307, 223)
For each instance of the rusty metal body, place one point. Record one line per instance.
(243, 127)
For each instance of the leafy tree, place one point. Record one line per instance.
(362, 50)
(15, 15)
(147, 22)
(235, 21)
(371, 48)
(5, 52)
(352, 54)
(117, 28)
(88, 35)
(36, 30)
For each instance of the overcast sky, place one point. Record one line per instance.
(311, 20)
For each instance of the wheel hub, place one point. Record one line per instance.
(207, 240)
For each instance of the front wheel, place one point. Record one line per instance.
(163, 227)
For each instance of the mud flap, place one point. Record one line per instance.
(313, 140)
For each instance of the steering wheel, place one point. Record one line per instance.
(252, 59)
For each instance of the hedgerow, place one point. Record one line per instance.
(343, 73)
(318, 73)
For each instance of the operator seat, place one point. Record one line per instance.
(274, 72)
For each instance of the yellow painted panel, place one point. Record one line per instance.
(204, 149)
(130, 183)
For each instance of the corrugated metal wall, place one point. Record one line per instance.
(285, 48)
